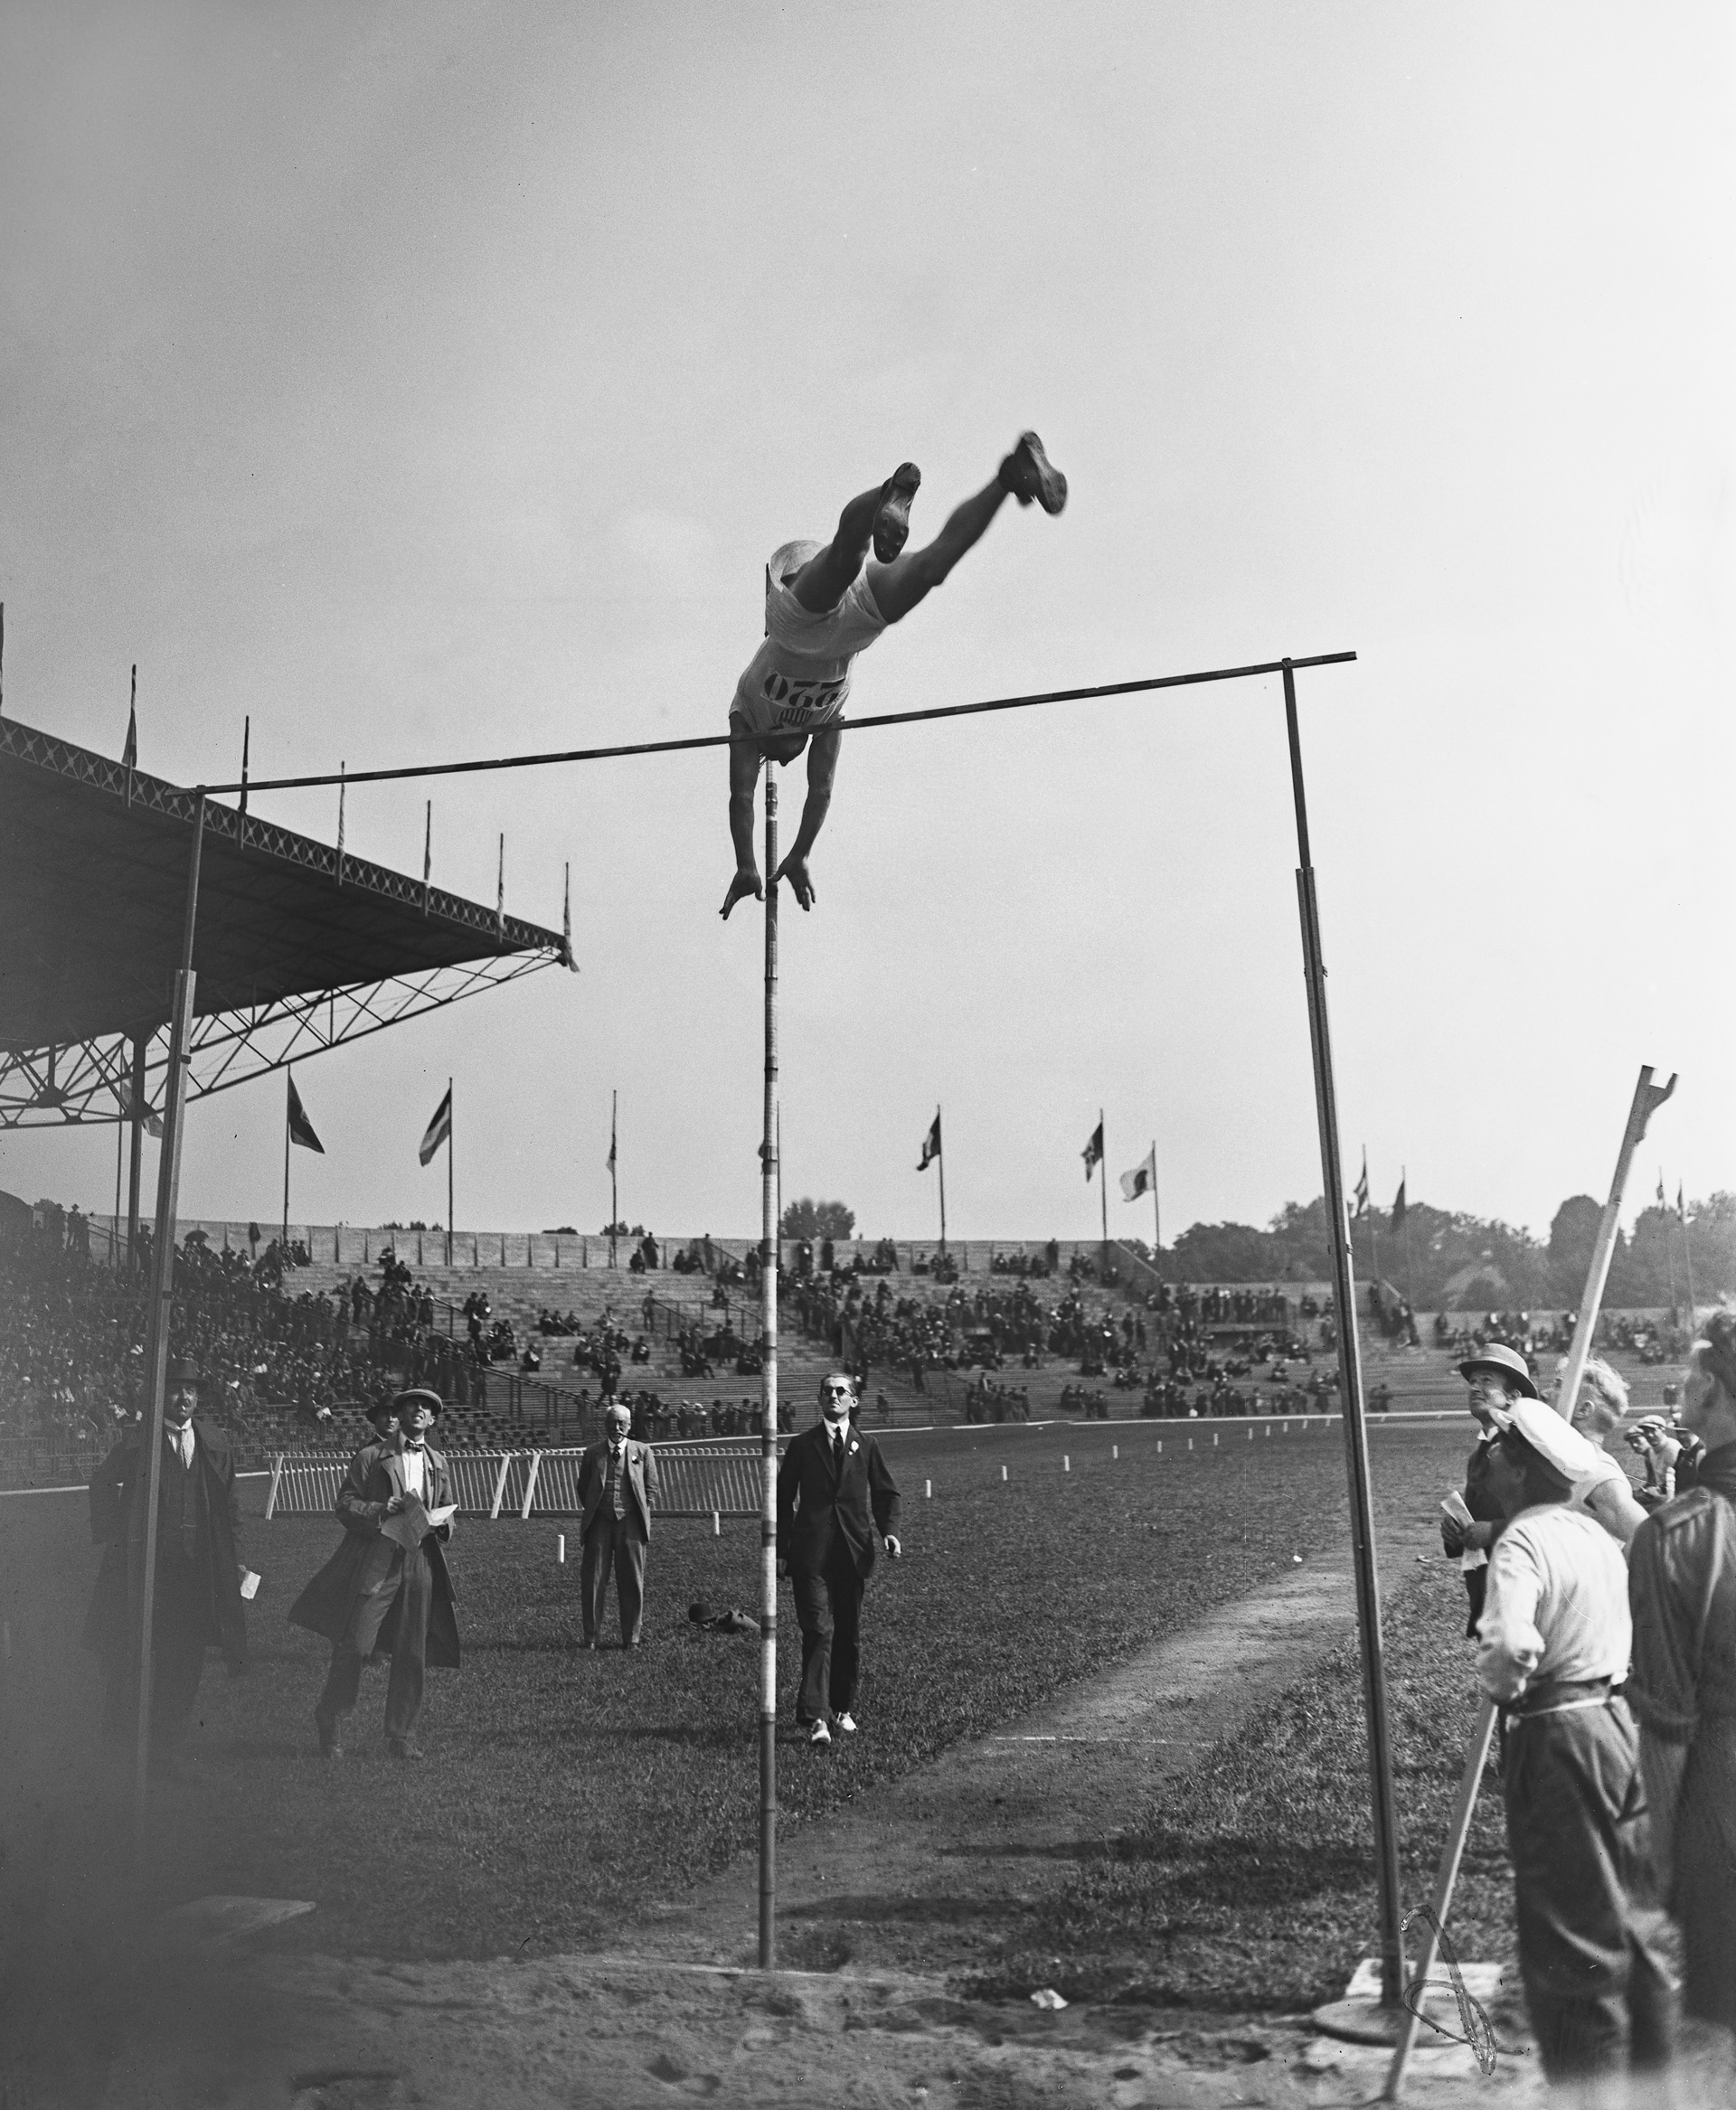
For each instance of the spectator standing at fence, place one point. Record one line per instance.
(196, 1603)
(1497, 1378)
(1683, 1586)
(378, 1596)
(617, 1484)
(1553, 1643)
(834, 1493)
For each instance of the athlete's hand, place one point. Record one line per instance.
(744, 883)
(795, 870)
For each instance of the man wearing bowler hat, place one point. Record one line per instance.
(196, 1600)
(617, 1484)
(386, 1591)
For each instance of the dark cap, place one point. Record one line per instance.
(183, 1371)
(381, 1412)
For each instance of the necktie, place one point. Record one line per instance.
(183, 1441)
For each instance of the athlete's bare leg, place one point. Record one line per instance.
(1026, 474)
(880, 518)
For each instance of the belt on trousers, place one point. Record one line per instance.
(1561, 1696)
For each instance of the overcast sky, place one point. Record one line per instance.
(434, 381)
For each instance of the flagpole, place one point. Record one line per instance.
(114, 1227)
(1103, 1184)
(451, 1123)
(614, 1206)
(1669, 1247)
(1687, 1256)
(942, 1157)
(1156, 1214)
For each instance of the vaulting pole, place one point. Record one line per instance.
(768, 1244)
(1362, 1508)
(147, 1478)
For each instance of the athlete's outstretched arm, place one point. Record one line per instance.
(744, 774)
(822, 769)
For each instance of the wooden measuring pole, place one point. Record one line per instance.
(768, 1245)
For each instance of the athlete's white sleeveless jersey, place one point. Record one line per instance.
(800, 678)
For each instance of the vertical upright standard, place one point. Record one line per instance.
(1350, 1369)
(147, 1479)
(768, 1242)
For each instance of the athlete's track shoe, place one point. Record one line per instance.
(1028, 473)
(892, 516)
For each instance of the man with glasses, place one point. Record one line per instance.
(835, 1494)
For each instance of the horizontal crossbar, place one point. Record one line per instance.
(729, 739)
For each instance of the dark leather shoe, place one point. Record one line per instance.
(402, 1749)
(1028, 473)
(330, 1743)
(892, 520)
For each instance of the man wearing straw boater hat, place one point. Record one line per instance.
(617, 1484)
(1553, 1648)
(386, 1591)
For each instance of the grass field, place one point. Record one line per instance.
(565, 1794)
(1253, 1884)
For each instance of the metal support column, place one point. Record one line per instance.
(1362, 1509)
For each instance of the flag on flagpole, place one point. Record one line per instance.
(439, 1129)
(1362, 1189)
(1399, 1205)
(153, 1127)
(129, 753)
(1680, 1207)
(301, 1129)
(609, 1161)
(1142, 1178)
(1662, 1203)
(1093, 1150)
(930, 1144)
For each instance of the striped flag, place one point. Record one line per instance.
(1362, 1189)
(301, 1129)
(930, 1144)
(439, 1129)
(1142, 1178)
(1093, 1150)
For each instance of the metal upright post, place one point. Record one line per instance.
(149, 1476)
(1362, 1510)
(136, 1149)
(942, 1157)
(768, 1249)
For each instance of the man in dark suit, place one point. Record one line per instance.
(196, 1602)
(617, 1484)
(378, 1596)
(834, 1492)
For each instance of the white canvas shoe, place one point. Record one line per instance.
(848, 1723)
(820, 1734)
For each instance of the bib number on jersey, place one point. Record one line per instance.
(796, 704)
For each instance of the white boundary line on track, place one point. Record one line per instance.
(262, 1473)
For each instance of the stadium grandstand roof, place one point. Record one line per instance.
(298, 947)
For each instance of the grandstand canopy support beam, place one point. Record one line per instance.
(147, 1474)
(1350, 1368)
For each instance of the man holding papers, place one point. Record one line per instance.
(386, 1592)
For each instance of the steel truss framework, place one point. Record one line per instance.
(90, 1084)
(302, 947)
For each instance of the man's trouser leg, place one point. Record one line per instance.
(814, 1617)
(1588, 1934)
(409, 1636)
(343, 1685)
(845, 1586)
(177, 1647)
(628, 1563)
(595, 1564)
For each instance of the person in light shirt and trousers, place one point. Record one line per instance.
(1553, 1646)
(618, 1487)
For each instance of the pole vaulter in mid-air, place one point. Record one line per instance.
(824, 605)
